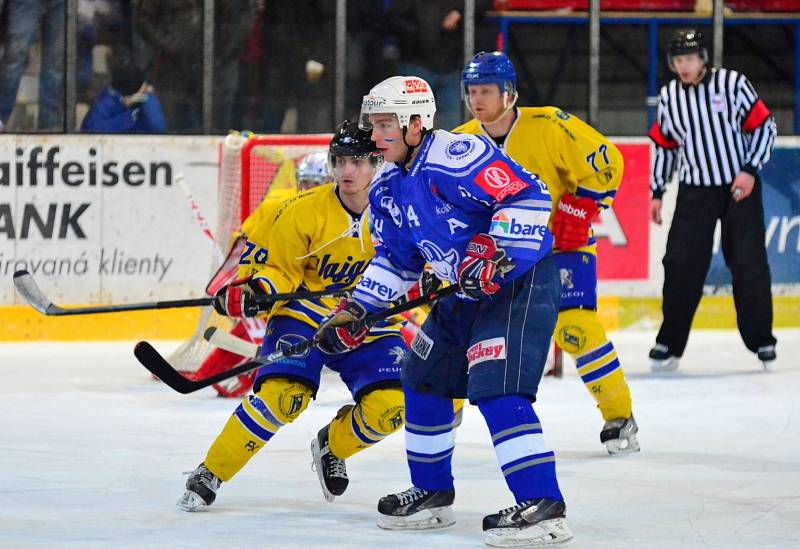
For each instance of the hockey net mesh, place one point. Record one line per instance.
(251, 167)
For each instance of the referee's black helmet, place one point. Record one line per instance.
(686, 41)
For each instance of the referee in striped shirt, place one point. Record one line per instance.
(717, 134)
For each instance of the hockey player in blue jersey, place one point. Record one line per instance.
(480, 220)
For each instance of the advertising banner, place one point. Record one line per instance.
(623, 231)
(781, 194)
(98, 219)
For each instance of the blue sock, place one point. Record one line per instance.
(529, 467)
(429, 440)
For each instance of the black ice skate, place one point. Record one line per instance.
(767, 356)
(661, 360)
(331, 470)
(533, 522)
(619, 436)
(416, 509)
(201, 489)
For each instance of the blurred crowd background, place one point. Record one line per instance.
(207, 66)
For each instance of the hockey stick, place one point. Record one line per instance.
(180, 180)
(222, 339)
(158, 366)
(29, 290)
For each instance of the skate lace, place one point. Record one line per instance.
(337, 468)
(515, 508)
(411, 495)
(206, 477)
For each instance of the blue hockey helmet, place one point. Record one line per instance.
(490, 68)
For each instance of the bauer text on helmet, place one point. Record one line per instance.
(402, 96)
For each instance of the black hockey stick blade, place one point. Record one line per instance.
(29, 290)
(158, 365)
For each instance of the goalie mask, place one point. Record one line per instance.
(491, 68)
(313, 171)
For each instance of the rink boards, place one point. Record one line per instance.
(97, 219)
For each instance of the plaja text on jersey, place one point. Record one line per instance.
(44, 167)
(344, 273)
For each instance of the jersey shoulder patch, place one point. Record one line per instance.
(459, 152)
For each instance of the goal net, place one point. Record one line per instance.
(251, 167)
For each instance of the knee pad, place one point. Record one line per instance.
(578, 331)
(382, 411)
(280, 400)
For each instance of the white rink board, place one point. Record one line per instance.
(128, 233)
(93, 453)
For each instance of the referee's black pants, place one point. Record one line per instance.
(688, 255)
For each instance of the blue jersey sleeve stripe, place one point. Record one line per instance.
(388, 264)
(529, 203)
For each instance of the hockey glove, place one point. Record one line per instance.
(482, 261)
(427, 283)
(337, 333)
(572, 221)
(236, 300)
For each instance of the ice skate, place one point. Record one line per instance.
(538, 521)
(767, 356)
(661, 360)
(331, 470)
(201, 489)
(619, 436)
(416, 509)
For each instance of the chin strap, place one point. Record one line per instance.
(410, 148)
(508, 107)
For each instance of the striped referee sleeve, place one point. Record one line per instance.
(666, 148)
(757, 123)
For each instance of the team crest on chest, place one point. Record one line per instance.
(459, 149)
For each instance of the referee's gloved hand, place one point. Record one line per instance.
(236, 299)
(340, 331)
(572, 221)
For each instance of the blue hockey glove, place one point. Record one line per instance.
(482, 261)
(336, 333)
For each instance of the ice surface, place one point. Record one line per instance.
(92, 452)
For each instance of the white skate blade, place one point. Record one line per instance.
(546, 532)
(190, 502)
(427, 519)
(668, 365)
(619, 446)
(316, 465)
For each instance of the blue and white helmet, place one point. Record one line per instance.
(490, 68)
(313, 171)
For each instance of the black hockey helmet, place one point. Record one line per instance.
(350, 140)
(687, 41)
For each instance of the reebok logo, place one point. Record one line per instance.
(569, 209)
(488, 349)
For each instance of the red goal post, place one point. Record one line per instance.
(250, 167)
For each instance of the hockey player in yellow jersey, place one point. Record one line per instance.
(583, 170)
(313, 170)
(316, 240)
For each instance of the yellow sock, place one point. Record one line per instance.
(378, 414)
(580, 333)
(255, 421)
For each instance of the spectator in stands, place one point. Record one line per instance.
(173, 29)
(233, 25)
(431, 40)
(24, 18)
(128, 105)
